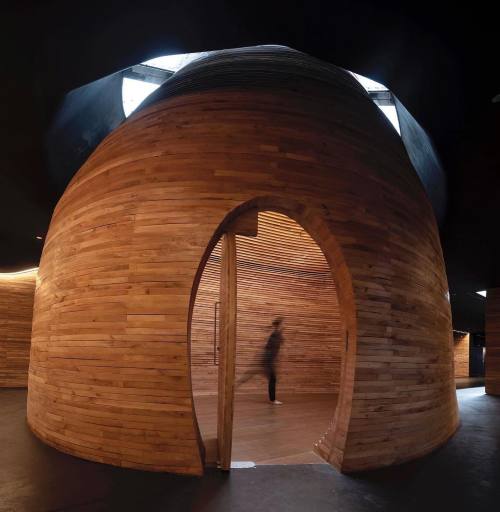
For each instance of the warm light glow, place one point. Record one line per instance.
(7, 275)
(483, 293)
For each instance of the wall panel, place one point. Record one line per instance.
(492, 359)
(17, 292)
(461, 343)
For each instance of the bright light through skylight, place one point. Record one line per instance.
(134, 92)
(371, 86)
(173, 62)
(391, 114)
(483, 293)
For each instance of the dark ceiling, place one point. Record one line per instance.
(440, 60)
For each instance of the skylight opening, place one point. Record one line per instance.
(173, 62)
(143, 79)
(382, 97)
(368, 84)
(391, 114)
(134, 92)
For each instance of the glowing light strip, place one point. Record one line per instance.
(19, 272)
(460, 332)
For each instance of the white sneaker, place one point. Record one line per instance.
(277, 402)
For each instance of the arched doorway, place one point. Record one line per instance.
(281, 273)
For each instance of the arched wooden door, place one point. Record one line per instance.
(245, 225)
(227, 350)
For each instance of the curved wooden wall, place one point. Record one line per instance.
(280, 273)
(492, 359)
(17, 292)
(110, 369)
(461, 342)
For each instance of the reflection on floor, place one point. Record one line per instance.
(270, 434)
(469, 382)
(462, 476)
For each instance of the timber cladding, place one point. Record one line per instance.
(461, 342)
(492, 359)
(110, 376)
(17, 292)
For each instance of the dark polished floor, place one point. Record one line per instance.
(464, 475)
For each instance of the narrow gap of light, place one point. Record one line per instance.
(134, 92)
(242, 464)
(389, 111)
(483, 293)
(368, 84)
(19, 272)
(172, 62)
(391, 114)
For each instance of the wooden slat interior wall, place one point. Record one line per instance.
(16, 314)
(492, 359)
(461, 354)
(281, 273)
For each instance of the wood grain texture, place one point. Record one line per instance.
(270, 434)
(17, 293)
(110, 373)
(281, 273)
(461, 343)
(492, 358)
(227, 356)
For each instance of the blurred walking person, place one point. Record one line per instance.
(268, 361)
(271, 352)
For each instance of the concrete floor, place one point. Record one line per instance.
(464, 475)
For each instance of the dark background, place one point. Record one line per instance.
(440, 59)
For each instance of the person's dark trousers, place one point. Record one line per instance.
(272, 387)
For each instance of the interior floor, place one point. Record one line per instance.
(265, 433)
(461, 476)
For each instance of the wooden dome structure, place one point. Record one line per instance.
(239, 132)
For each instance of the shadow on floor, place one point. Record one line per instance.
(463, 475)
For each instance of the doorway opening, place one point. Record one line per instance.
(281, 273)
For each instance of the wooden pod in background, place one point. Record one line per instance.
(492, 359)
(268, 129)
(461, 341)
(17, 292)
